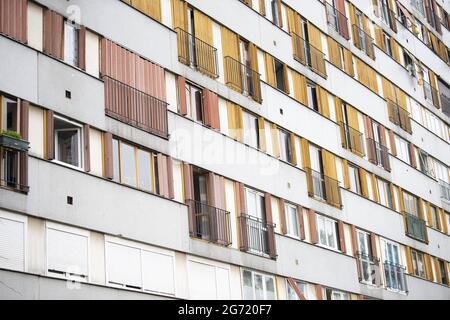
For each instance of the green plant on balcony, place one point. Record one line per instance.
(11, 134)
(12, 140)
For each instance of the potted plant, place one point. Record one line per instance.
(13, 140)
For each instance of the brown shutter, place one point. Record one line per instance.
(170, 185)
(53, 34)
(301, 222)
(163, 181)
(13, 19)
(297, 290)
(373, 245)
(283, 224)
(241, 213)
(313, 227)
(341, 236)
(87, 148)
(319, 292)
(385, 154)
(49, 135)
(182, 95)
(392, 141)
(412, 155)
(24, 130)
(343, 24)
(211, 109)
(270, 228)
(108, 165)
(371, 142)
(82, 48)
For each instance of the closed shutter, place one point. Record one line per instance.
(324, 107)
(363, 179)
(313, 227)
(300, 90)
(270, 70)
(379, 38)
(86, 148)
(392, 143)
(301, 223)
(163, 175)
(182, 102)
(262, 134)
(67, 253)
(275, 140)
(123, 265)
(409, 262)
(395, 50)
(329, 163)
(341, 235)
(151, 8)
(241, 213)
(214, 281)
(348, 63)
(12, 245)
(53, 34)
(444, 221)
(376, 196)
(293, 139)
(306, 158)
(428, 267)
(437, 268)
(235, 121)
(170, 180)
(158, 274)
(49, 135)
(108, 165)
(253, 53)
(211, 109)
(82, 48)
(283, 217)
(371, 147)
(14, 19)
(342, 17)
(383, 142)
(262, 7)
(230, 48)
(204, 31)
(412, 155)
(434, 91)
(280, 15)
(24, 130)
(334, 53)
(345, 174)
(179, 14)
(270, 228)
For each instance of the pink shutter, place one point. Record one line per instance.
(283, 224)
(341, 236)
(82, 48)
(270, 228)
(53, 34)
(171, 191)
(392, 142)
(371, 148)
(342, 17)
(301, 222)
(241, 213)
(49, 135)
(108, 165)
(211, 109)
(163, 181)
(412, 155)
(13, 19)
(313, 226)
(182, 95)
(385, 154)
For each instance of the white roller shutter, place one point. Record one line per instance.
(12, 245)
(67, 253)
(158, 272)
(202, 281)
(123, 265)
(223, 283)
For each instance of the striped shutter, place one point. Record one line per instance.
(49, 135)
(14, 19)
(283, 222)
(24, 132)
(412, 155)
(53, 34)
(82, 48)
(313, 226)
(108, 165)
(341, 235)
(182, 102)
(12, 245)
(301, 223)
(270, 228)
(86, 148)
(211, 109)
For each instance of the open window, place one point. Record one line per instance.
(71, 43)
(68, 142)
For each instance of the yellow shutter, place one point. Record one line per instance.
(253, 52)
(179, 14)
(203, 27)
(334, 53)
(262, 134)
(345, 174)
(315, 36)
(387, 89)
(434, 86)
(270, 70)
(352, 116)
(444, 221)
(376, 196)
(293, 149)
(391, 187)
(428, 267)
(354, 31)
(379, 38)
(429, 216)
(395, 50)
(400, 200)
(235, 122)
(150, 8)
(409, 262)
(306, 158)
(364, 186)
(230, 48)
(300, 93)
(329, 164)
(286, 79)
(348, 61)
(437, 268)
(275, 140)
(294, 22)
(262, 7)
(324, 107)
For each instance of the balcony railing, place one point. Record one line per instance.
(14, 162)
(353, 139)
(307, 54)
(395, 278)
(323, 187)
(197, 53)
(445, 103)
(338, 21)
(445, 190)
(399, 116)
(363, 41)
(389, 17)
(431, 94)
(242, 78)
(416, 227)
(369, 269)
(137, 108)
(210, 223)
(378, 154)
(257, 236)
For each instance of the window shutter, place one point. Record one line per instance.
(349, 68)
(373, 245)
(82, 48)
(319, 292)
(275, 140)
(323, 102)
(286, 79)
(356, 250)
(270, 70)
(345, 173)
(283, 217)
(428, 210)
(211, 109)
(253, 52)
(343, 24)
(108, 165)
(392, 142)
(170, 183)
(12, 246)
(14, 19)
(371, 142)
(49, 135)
(437, 268)
(412, 155)
(188, 184)
(313, 226)
(87, 148)
(270, 225)
(53, 34)
(297, 290)
(409, 262)
(301, 222)
(241, 213)
(342, 237)
(364, 186)
(262, 7)
(306, 158)
(428, 267)
(376, 196)
(383, 143)
(379, 38)
(24, 130)
(163, 180)
(280, 14)
(179, 14)
(300, 91)
(123, 265)
(444, 221)
(293, 149)
(230, 48)
(182, 95)
(262, 134)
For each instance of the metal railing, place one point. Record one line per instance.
(363, 41)
(399, 116)
(197, 53)
(323, 187)
(445, 190)
(353, 139)
(256, 234)
(338, 21)
(416, 227)
(242, 78)
(395, 278)
(378, 153)
(389, 17)
(307, 54)
(445, 104)
(13, 183)
(431, 94)
(210, 223)
(369, 269)
(135, 107)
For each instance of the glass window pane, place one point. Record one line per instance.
(68, 142)
(248, 285)
(145, 170)
(270, 288)
(128, 164)
(259, 290)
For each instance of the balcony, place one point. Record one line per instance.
(197, 53)
(352, 139)
(378, 154)
(13, 162)
(307, 54)
(399, 116)
(389, 17)
(445, 102)
(323, 187)
(395, 278)
(431, 94)
(257, 236)
(338, 21)
(416, 227)
(445, 190)
(210, 223)
(363, 41)
(243, 79)
(134, 107)
(369, 269)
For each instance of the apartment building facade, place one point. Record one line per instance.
(257, 149)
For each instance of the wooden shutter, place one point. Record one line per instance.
(82, 48)
(301, 222)
(324, 107)
(306, 158)
(285, 79)
(211, 109)
(253, 53)
(297, 290)
(329, 164)
(165, 176)
(428, 267)
(434, 86)
(363, 179)
(300, 91)
(373, 245)
(179, 14)
(49, 135)
(280, 14)
(348, 63)
(188, 186)
(275, 140)
(444, 221)
(235, 121)
(87, 148)
(355, 249)
(319, 292)
(341, 236)
(371, 147)
(334, 52)
(24, 132)
(395, 50)
(230, 48)
(293, 149)
(262, 7)
(313, 227)
(14, 19)
(409, 262)
(412, 155)
(181, 81)
(379, 38)
(376, 196)
(315, 37)
(270, 228)
(204, 32)
(345, 173)
(108, 165)
(270, 70)
(241, 213)
(171, 191)
(437, 268)
(283, 224)
(342, 17)
(383, 143)
(262, 134)
(392, 142)
(53, 34)
(151, 8)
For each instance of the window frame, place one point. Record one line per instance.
(326, 229)
(264, 277)
(80, 142)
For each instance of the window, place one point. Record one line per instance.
(292, 220)
(257, 286)
(279, 73)
(251, 129)
(366, 260)
(411, 204)
(393, 271)
(68, 142)
(134, 167)
(255, 204)
(274, 8)
(312, 96)
(443, 271)
(425, 163)
(328, 232)
(387, 44)
(291, 295)
(435, 221)
(67, 253)
(214, 280)
(12, 243)
(10, 114)
(355, 182)
(71, 43)
(332, 294)
(402, 149)
(285, 146)
(384, 193)
(418, 260)
(194, 102)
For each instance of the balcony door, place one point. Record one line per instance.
(245, 60)
(191, 37)
(393, 271)
(361, 33)
(256, 222)
(377, 141)
(201, 212)
(317, 172)
(368, 272)
(9, 171)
